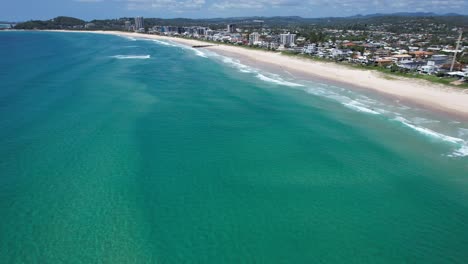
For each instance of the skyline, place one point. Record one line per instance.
(105, 9)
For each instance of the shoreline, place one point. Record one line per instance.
(433, 97)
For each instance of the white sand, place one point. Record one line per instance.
(421, 92)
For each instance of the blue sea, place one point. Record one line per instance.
(125, 150)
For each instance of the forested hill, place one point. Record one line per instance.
(60, 22)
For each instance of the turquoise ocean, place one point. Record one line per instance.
(123, 150)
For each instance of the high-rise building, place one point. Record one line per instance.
(139, 24)
(128, 25)
(201, 31)
(287, 39)
(231, 28)
(253, 38)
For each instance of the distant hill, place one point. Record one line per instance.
(60, 22)
(406, 14)
(352, 22)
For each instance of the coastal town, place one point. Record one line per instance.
(415, 47)
(402, 53)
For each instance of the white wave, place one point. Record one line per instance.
(462, 145)
(277, 81)
(357, 104)
(163, 43)
(124, 57)
(366, 100)
(461, 152)
(199, 53)
(430, 133)
(167, 43)
(236, 64)
(420, 120)
(360, 107)
(127, 37)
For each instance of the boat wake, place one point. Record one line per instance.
(127, 57)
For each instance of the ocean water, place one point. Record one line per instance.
(122, 150)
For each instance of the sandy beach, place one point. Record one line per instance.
(423, 93)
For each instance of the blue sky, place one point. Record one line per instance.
(20, 10)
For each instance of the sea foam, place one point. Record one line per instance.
(236, 64)
(164, 43)
(361, 107)
(127, 37)
(461, 152)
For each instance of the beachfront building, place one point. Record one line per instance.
(254, 38)
(128, 25)
(231, 28)
(139, 24)
(440, 59)
(310, 49)
(430, 68)
(287, 39)
(90, 25)
(201, 31)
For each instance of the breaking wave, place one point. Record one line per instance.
(196, 51)
(461, 152)
(360, 107)
(164, 43)
(236, 64)
(129, 38)
(462, 145)
(277, 80)
(272, 78)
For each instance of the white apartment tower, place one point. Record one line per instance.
(254, 37)
(287, 39)
(231, 28)
(139, 24)
(128, 25)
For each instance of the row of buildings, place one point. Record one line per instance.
(403, 52)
